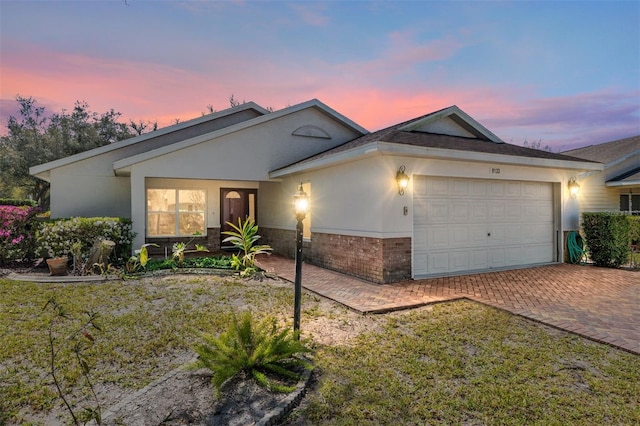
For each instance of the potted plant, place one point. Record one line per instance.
(58, 265)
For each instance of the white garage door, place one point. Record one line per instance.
(464, 225)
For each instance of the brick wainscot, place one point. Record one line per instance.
(379, 260)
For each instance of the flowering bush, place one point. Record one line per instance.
(17, 234)
(57, 237)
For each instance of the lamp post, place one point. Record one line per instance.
(300, 207)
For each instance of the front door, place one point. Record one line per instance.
(236, 204)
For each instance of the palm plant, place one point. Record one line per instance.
(257, 349)
(244, 237)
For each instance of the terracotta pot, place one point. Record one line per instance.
(58, 265)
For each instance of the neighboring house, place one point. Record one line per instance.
(473, 202)
(617, 186)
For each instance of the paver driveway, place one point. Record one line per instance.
(599, 303)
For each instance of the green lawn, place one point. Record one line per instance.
(453, 363)
(148, 329)
(464, 363)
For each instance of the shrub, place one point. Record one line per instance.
(17, 202)
(257, 349)
(57, 236)
(244, 237)
(607, 238)
(634, 229)
(17, 233)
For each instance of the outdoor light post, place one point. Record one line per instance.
(300, 206)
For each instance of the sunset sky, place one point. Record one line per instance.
(566, 73)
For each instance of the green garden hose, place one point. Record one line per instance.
(575, 246)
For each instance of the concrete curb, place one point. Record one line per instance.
(270, 419)
(274, 416)
(41, 278)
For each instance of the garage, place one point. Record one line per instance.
(462, 225)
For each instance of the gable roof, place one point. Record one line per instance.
(122, 167)
(413, 138)
(42, 170)
(608, 152)
(465, 121)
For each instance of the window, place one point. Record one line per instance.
(630, 203)
(176, 212)
(306, 223)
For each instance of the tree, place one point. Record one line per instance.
(35, 137)
(536, 145)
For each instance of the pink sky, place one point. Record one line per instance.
(408, 73)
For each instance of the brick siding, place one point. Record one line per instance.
(373, 259)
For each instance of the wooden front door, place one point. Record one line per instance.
(236, 204)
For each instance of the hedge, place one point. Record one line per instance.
(17, 202)
(607, 237)
(57, 236)
(634, 229)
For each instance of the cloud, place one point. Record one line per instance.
(403, 54)
(152, 92)
(311, 13)
(574, 120)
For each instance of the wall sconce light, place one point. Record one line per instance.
(402, 179)
(574, 187)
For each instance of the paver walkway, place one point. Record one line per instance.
(598, 303)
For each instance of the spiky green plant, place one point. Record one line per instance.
(244, 237)
(258, 349)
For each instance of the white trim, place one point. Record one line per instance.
(353, 233)
(374, 148)
(120, 165)
(453, 110)
(622, 159)
(619, 184)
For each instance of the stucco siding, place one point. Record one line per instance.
(89, 195)
(251, 153)
(92, 179)
(361, 198)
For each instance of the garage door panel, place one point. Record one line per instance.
(437, 187)
(478, 212)
(420, 238)
(496, 257)
(459, 236)
(438, 211)
(478, 235)
(537, 253)
(438, 237)
(438, 262)
(478, 224)
(496, 211)
(458, 188)
(477, 188)
(459, 261)
(459, 211)
(478, 259)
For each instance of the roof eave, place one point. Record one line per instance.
(622, 159)
(39, 169)
(454, 110)
(623, 183)
(382, 148)
(314, 103)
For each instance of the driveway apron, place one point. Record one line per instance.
(598, 303)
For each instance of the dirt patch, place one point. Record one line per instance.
(188, 397)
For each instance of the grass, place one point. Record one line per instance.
(464, 363)
(148, 329)
(452, 363)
